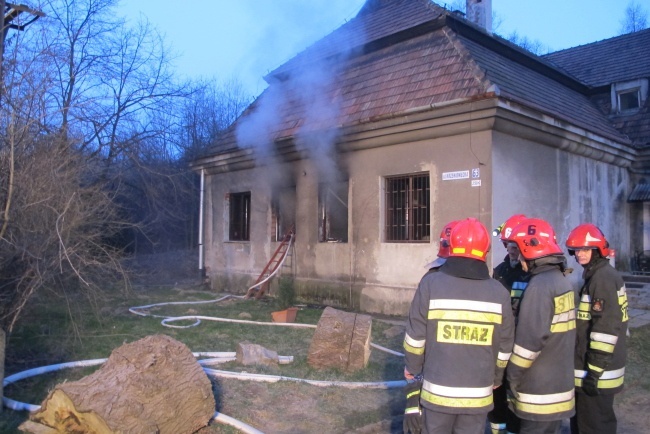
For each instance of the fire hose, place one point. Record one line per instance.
(214, 358)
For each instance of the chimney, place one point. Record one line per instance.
(480, 13)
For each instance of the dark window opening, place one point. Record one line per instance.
(628, 100)
(240, 216)
(283, 211)
(333, 212)
(407, 208)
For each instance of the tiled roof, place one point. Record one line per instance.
(418, 72)
(399, 55)
(376, 20)
(528, 86)
(602, 63)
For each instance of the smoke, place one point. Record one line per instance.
(320, 130)
(303, 101)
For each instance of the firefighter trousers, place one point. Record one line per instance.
(443, 423)
(594, 415)
(540, 427)
(502, 419)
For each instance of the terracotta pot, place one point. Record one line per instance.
(287, 315)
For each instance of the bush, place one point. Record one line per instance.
(286, 292)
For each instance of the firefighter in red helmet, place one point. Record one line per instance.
(443, 247)
(513, 277)
(540, 372)
(600, 350)
(458, 339)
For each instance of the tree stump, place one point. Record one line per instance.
(154, 385)
(341, 341)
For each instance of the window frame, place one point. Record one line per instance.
(407, 208)
(637, 87)
(332, 229)
(620, 94)
(239, 216)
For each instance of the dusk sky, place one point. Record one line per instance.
(246, 39)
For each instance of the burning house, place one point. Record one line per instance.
(405, 118)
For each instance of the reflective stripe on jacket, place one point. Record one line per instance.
(602, 327)
(459, 336)
(540, 371)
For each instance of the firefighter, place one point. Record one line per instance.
(443, 247)
(601, 331)
(459, 337)
(540, 372)
(513, 277)
(412, 412)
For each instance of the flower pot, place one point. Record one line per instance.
(287, 315)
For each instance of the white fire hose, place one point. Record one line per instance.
(214, 358)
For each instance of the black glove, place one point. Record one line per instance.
(590, 385)
(413, 413)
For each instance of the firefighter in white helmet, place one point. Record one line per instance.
(458, 339)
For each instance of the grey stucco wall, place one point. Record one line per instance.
(372, 275)
(563, 188)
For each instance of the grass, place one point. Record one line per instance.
(55, 331)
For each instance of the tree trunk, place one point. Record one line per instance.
(3, 344)
(341, 341)
(151, 385)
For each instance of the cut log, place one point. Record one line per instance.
(154, 385)
(341, 341)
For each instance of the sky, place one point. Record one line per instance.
(246, 39)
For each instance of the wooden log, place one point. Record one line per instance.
(341, 341)
(154, 385)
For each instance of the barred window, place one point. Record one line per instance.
(240, 216)
(407, 208)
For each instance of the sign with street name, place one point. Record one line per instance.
(450, 176)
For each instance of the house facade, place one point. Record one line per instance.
(403, 119)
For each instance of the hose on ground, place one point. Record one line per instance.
(214, 358)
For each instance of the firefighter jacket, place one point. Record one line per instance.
(459, 336)
(515, 279)
(601, 327)
(540, 372)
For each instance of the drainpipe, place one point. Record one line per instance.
(201, 196)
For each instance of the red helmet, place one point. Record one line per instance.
(588, 236)
(535, 239)
(506, 228)
(469, 239)
(443, 247)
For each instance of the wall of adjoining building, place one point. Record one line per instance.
(563, 188)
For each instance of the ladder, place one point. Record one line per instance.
(281, 253)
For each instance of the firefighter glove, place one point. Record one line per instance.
(413, 412)
(590, 385)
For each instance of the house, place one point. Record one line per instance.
(405, 118)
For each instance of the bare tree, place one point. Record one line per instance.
(636, 18)
(210, 110)
(533, 45)
(107, 78)
(80, 91)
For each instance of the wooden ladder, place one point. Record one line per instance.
(262, 283)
